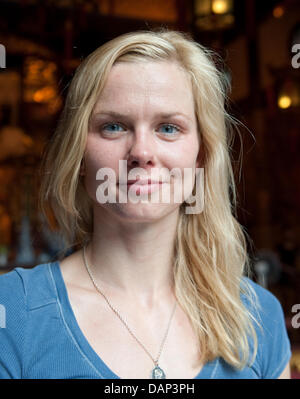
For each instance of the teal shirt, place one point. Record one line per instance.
(40, 337)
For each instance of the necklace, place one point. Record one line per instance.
(157, 372)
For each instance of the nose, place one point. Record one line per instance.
(141, 153)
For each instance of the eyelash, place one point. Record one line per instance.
(164, 124)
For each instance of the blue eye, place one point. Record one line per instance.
(170, 129)
(112, 127)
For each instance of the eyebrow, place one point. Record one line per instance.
(160, 114)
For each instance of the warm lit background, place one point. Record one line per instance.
(46, 40)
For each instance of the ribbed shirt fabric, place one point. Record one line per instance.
(41, 339)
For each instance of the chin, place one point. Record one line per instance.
(143, 212)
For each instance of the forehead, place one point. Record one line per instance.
(151, 82)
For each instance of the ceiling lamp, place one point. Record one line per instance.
(289, 94)
(284, 101)
(213, 14)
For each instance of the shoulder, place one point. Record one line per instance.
(263, 305)
(274, 349)
(258, 297)
(11, 288)
(21, 291)
(26, 287)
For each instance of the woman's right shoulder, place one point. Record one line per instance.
(21, 291)
(11, 284)
(21, 285)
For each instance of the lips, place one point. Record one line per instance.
(140, 182)
(142, 186)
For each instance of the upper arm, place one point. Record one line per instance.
(275, 342)
(12, 299)
(274, 349)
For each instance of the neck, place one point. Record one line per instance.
(134, 258)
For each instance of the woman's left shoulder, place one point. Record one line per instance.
(254, 291)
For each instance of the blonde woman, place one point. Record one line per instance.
(152, 289)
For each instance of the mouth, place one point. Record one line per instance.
(140, 182)
(142, 186)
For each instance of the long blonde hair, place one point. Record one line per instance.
(210, 250)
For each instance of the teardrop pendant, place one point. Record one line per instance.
(158, 373)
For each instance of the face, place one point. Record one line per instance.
(145, 117)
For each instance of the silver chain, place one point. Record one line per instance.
(121, 318)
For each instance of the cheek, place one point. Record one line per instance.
(186, 161)
(186, 154)
(97, 156)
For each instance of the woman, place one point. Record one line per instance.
(156, 289)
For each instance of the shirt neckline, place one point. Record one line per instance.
(208, 371)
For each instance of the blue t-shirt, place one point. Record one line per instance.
(40, 337)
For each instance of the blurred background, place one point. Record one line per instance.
(42, 43)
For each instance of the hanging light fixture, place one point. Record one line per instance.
(220, 6)
(289, 94)
(213, 14)
(284, 101)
